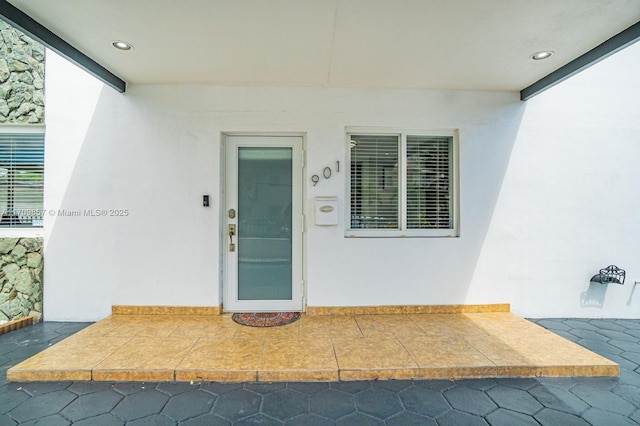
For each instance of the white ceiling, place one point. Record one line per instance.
(454, 44)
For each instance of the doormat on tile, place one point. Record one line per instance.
(265, 319)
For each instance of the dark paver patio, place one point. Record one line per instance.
(525, 401)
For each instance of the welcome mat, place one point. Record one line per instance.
(265, 319)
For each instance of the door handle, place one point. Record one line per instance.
(232, 232)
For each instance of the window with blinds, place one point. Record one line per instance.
(21, 179)
(374, 182)
(402, 184)
(429, 183)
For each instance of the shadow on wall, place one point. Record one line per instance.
(80, 240)
(594, 296)
(481, 195)
(124, 228)
(633, 290)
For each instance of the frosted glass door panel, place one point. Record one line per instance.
(264, 223)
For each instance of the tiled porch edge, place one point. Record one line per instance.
(315, 348)
(318, 310)
(165, 310)
(406, 309)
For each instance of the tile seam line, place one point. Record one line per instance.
(187, 352)
(91, 370)
(260, 358)
(335, 356)
(408, 353)
(410, 316)
(358, 324)
(463, 337)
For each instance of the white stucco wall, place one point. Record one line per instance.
(534, 223)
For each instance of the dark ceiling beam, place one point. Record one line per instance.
(595, 55)
(36, 31)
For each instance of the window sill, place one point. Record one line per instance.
(384, 233)
(21, 232)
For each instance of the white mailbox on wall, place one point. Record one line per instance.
(326, 211)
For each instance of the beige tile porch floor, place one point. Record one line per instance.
(315, 348)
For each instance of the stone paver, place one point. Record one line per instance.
(424, 401)
(140, 405)
(469, 400)
(457, 418)
(411, 419)
(504, 417)
(238, 404)
(514, 400)
(332, 404)
(548, 417)
(91, 405)
(528, 401)
(285, 404)
(558, 399)
(190, 404)
(378, 403)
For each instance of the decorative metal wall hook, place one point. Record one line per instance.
(609, 275)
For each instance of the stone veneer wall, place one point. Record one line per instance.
(21, 102)
(21, 78)
(20, 278)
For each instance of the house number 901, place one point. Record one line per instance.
(326, 173)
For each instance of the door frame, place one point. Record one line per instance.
(227, 293)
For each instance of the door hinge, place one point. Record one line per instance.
(302, 223)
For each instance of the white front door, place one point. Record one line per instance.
(263, 224)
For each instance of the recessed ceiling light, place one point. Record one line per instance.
(541, 55)
(122, 45)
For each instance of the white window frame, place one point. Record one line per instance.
(402, 232)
